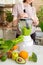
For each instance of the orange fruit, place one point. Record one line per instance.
(23, 54)
(15, 47)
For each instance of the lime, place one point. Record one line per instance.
(3, 58)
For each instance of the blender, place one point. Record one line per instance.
(26, 25)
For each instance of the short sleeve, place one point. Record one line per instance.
(34, 14)
(15, 11)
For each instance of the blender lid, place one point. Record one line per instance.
(25, 19)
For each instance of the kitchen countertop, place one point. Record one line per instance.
(35, 48)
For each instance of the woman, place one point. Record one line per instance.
(18, 12)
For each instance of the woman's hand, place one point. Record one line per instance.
(35, 23)
(23, 15)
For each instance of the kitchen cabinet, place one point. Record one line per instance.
(2, 2)
(7, 33)
(6, 2)
(39, 38)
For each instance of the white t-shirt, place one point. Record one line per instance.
(18, 9)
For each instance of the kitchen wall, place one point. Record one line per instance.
(37, 3)
(7, 2)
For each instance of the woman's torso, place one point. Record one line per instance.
(30, 10)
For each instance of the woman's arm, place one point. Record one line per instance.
(35, 21)
(15, 15)
(14, 23)
(35, 18)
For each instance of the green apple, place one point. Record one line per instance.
(14, 55)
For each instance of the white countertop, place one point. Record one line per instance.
(35, 48)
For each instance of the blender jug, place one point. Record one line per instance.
(25, 22)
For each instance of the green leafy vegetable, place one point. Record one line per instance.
(5, 45)
(26, 31)
(40, 17)
(3, 58)
(41, 25)
(8, 43)
(18, 40)
(9, 16)
(33, 57)
(1, 41)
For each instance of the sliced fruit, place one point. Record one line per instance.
(20, 60)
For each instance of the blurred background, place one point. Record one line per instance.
(6, 18)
